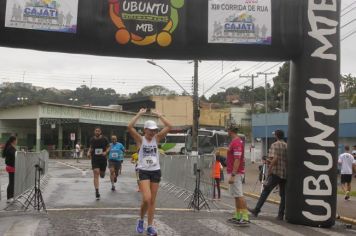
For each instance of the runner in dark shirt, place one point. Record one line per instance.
(97, 152)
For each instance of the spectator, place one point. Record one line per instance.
(347, 162)
(277, 174)
(9, 154)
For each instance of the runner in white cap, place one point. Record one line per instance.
(148, 166)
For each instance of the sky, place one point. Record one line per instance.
(126, 75)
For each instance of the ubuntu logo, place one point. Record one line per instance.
(144, 22)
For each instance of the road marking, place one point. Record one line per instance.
(326, 231)
(278, 229)
(23, 228)
(220, 228)
(117, 208)
(163, 229)
(69, 165)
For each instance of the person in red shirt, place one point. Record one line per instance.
(236, 170)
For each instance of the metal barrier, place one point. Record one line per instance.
(25, 170)
(179, 174)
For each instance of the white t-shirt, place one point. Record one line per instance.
(346, 160)
(77, 148)
(148, 156)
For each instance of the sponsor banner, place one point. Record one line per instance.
(145, 22)
(240, 21)
(47, 15)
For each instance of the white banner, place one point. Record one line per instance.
(240, 21)
(47, 15)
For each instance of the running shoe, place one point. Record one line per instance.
(244, 222)
(10, 200)
(347, 195)
(113, 188)
(139, 226)
(233, 220)
(97, 195)
(151, 231)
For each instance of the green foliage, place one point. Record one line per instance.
(84, 95)
(348, 89)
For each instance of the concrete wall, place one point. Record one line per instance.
(178, 109)
(241, 115)
(214, 117)
(23, 129)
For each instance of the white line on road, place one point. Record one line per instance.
(117, 208)
(66, 164)
(23, 228)
(220, 228)
(163, 229)
(326, 231)
(275, 228)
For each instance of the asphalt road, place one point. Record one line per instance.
(73, 210)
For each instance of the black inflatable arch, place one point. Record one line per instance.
(303, 31)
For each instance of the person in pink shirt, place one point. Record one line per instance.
(236, 170)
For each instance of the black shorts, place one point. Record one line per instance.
(154, 176)
(99, 163)
(115, 164)
(346, 179)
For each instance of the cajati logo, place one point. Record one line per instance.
(144, 22)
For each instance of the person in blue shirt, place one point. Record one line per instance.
(116, 157)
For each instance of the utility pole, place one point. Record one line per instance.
(195, 110)
(266, 109)
(252, 100)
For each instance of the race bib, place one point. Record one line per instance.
(98, 151)
(149, 156)
(114, 155)
(150, 161)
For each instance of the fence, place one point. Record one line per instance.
(25, 169)
(179, 174)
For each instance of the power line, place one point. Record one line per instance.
(348, 11)
(348, 6)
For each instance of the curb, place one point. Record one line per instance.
(344, 219)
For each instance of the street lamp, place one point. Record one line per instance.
(155, 64)
(73, 100)
(233, 71)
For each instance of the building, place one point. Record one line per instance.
(263, 125)
(58, 126)
(177, 109)
(241, 115)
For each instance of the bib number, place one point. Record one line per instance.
(98, 151)
(115, 155)
(150, 161)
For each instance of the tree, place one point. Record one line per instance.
(348, 89)
(279, 93)
(156, 90)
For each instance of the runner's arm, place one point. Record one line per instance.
(168, 126)
(130, 127)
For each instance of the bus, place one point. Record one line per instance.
(174, 143)
(210, 141)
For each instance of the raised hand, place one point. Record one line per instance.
(157, 113)
(142, 111)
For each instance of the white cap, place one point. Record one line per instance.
(150, 124)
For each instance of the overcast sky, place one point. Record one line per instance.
(125, 75)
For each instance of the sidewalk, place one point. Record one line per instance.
(252, 187)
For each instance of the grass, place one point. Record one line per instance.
(352, 193)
